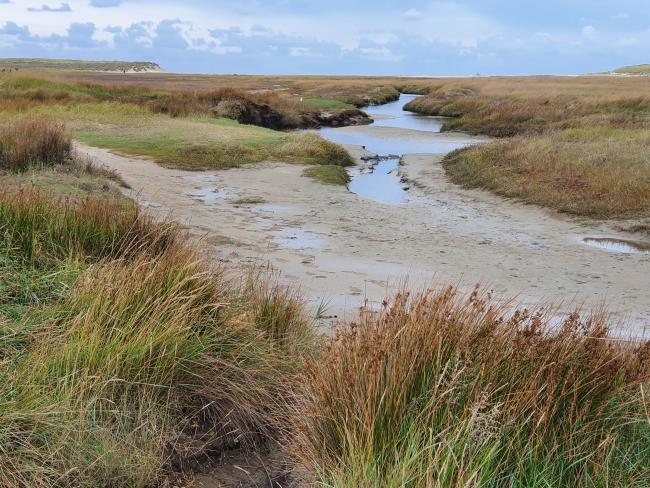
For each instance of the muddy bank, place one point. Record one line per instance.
(262, 109)
(342, 249)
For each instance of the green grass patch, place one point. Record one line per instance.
(122, 351)
(326, 103)
(328, 174)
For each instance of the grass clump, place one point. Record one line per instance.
(33, 141)
(443, 390)
(328, 174)
(136, 356)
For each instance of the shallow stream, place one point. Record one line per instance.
(380, 180)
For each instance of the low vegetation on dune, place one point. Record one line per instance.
(578, 146)
(444, 390)
(638, 69)
(70, 64)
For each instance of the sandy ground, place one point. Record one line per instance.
(342, 249)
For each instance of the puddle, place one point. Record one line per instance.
(382, 184)
(274, 208)
(299, 239)
(617, 245)
(212, 194)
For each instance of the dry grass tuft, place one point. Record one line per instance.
(444, 390)
(33, 141)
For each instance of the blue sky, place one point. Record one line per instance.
(337, 36)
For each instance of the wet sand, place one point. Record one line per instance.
(342, 249)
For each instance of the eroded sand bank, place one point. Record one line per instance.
(341, 248)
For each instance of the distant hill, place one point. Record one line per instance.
(639, 69)
(78, 65)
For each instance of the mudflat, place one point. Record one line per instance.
(344, 249)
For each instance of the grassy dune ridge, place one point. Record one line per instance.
(575, 145)
(126, 359)
(71, 64)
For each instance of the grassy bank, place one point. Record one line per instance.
(597, 172)
(277, 110)
(575, 145)
(190, 142)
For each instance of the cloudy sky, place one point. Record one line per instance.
(420, 37)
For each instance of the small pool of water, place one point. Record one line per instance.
(382, 184)
(617, 245)
(212, 194)
(299, 239)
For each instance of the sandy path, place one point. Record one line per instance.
(341, 248)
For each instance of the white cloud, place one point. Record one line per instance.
(589, 32)
(379, 54)
(304, 52)
(412, 14)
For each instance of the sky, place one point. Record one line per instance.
(362, 37)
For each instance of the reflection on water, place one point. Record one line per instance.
(391, 144)
(393, 115)
(617, 245)
(382, 184)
